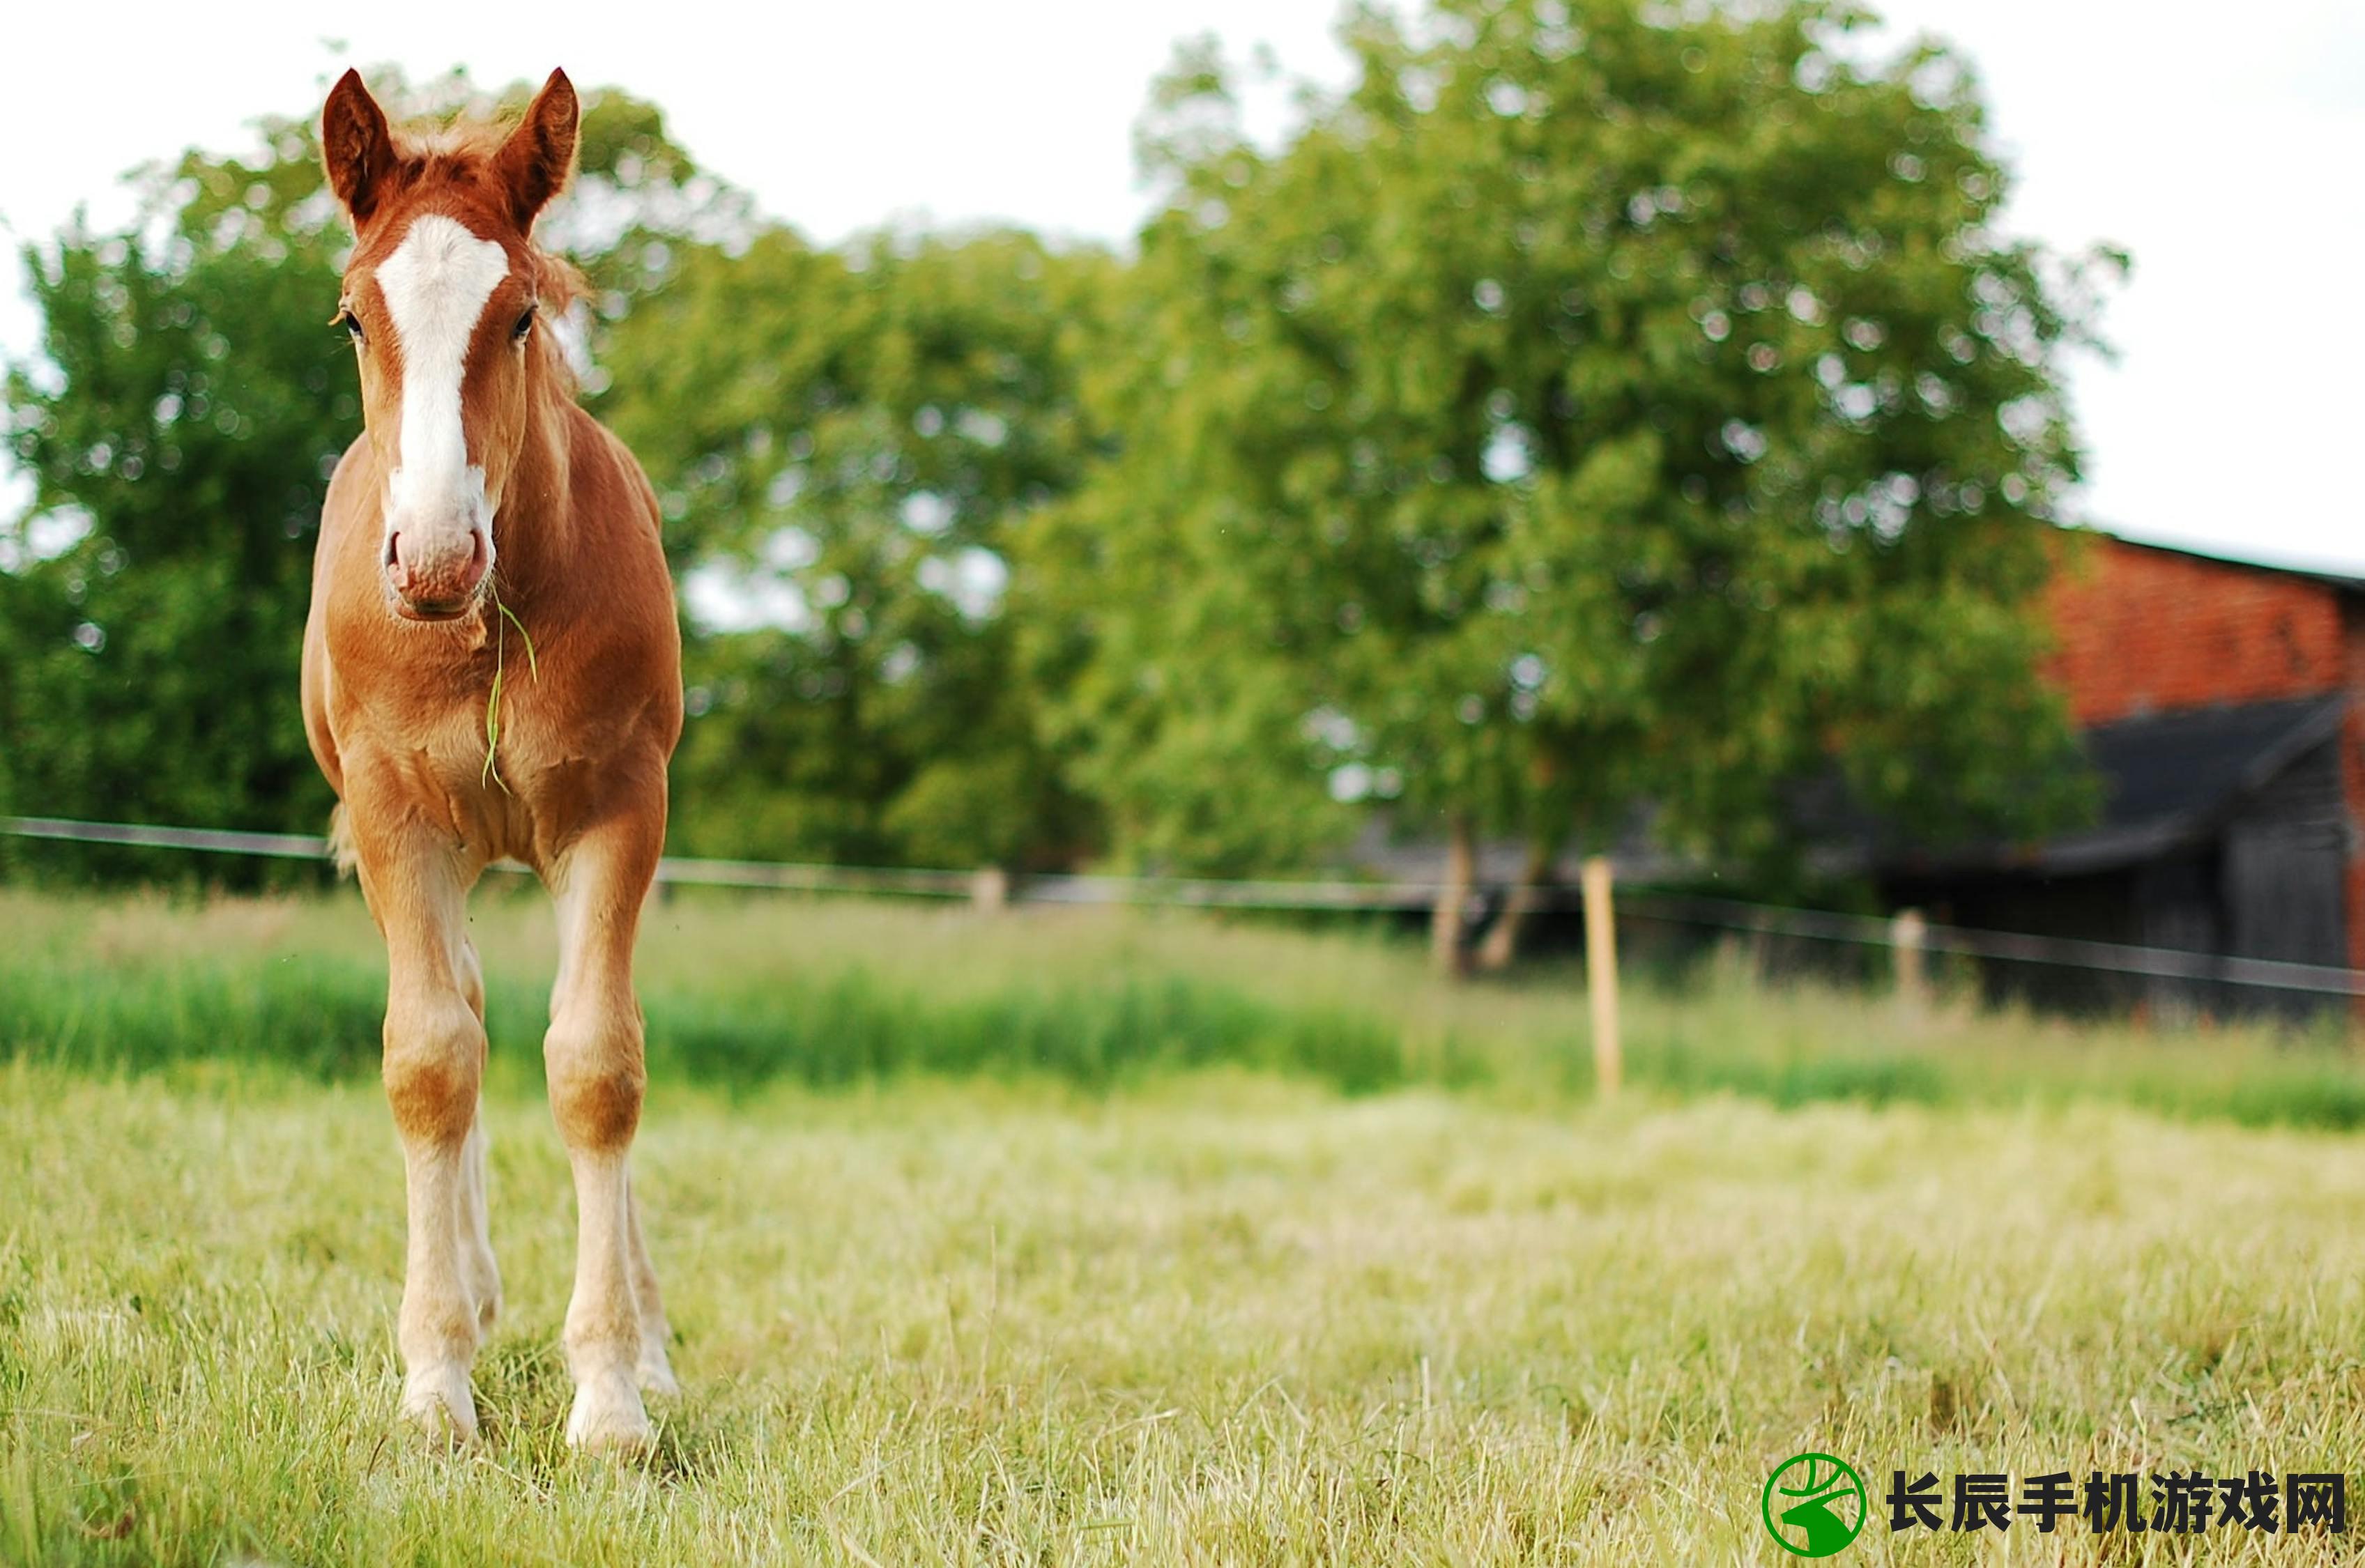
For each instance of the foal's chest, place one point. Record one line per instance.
(507, 752)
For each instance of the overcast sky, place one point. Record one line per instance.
(2222, 149)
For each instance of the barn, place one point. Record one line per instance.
(2221, 704)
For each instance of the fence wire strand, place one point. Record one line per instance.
(1203, 893)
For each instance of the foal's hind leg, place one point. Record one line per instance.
(655, 1370)
(435, 1065)
(479, 1272)
(593, 1056)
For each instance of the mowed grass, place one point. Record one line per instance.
(1220, 1319)
(1115, 1239)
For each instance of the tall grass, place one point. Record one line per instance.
(316, 1012)
(741, 992)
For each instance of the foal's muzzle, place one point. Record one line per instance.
(436, 575)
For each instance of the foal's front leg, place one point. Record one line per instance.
(593, 1058)
(416, 887)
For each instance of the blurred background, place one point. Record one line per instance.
(1823, 465)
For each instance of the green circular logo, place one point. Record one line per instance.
(1813, 1504)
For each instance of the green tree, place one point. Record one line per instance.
(1595, 404)
(179, 424)
(845, 442)
(178, 430)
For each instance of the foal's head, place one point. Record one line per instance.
(444, 298)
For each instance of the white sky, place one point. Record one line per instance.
(2225, 157)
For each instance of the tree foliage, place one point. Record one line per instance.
(178, 436)
(1595, 403)
(845, 442)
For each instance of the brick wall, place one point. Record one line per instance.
(2141, 631)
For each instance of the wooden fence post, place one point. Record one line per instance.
(989, 889)
(1601, 976)
(1909, 938)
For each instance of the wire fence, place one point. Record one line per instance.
(1334, 894)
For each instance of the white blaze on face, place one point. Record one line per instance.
(436, 284)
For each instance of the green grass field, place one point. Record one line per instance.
(1084, 1239)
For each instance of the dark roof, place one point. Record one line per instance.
(2346, 581)
(2168, 780)
(2164, 766)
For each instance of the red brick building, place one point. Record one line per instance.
(2144, 629)
(2223, 703)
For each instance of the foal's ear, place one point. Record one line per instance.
(533, 164)
(356, 147)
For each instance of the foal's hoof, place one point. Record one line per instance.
(654, 1374)
(608, 1418)
(438, 1403)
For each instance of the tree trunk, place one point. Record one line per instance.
(1501, 944)
(1449, 917)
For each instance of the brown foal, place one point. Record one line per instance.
(486, 543)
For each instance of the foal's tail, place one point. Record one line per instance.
(340, 840)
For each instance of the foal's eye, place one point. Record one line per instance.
(524, 324)
(351, 323)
